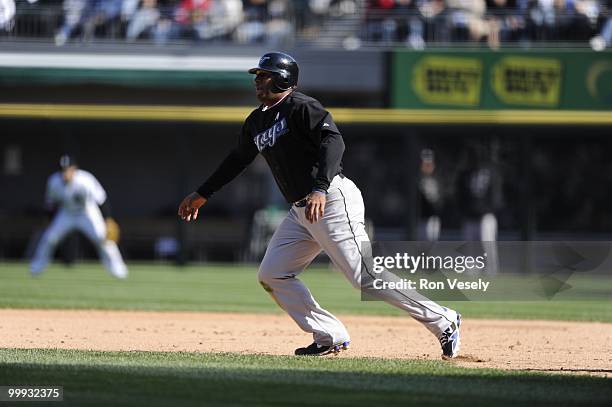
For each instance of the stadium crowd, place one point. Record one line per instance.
(244, 21)
(417, 22)
(414, 23)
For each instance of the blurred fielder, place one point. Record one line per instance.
(304, 148)
(479, 195)
(430, 198)
(80, 202)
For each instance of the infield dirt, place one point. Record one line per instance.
(544, 346)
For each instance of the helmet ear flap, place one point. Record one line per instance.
(281, 81)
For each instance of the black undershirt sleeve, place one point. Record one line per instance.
(322, 126)
(235, 162)
(330, 156)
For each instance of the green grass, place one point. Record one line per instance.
(235, 288)
(191, 379)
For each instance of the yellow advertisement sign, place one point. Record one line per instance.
(448, 80)
(527, 81)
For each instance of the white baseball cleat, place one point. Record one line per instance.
(451, 340)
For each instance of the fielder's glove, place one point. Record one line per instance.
(112, 230)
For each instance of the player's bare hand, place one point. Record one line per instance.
(188, 210)
(315, 208)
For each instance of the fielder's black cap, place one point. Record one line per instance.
(66, 161)
(427, 154)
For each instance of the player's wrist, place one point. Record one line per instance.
(203, 192)
(319, 190)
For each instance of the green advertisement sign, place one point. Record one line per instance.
(542, 79)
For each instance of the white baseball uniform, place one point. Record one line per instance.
(78, 203)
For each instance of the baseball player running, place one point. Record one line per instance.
(80, 201)
(304, 148)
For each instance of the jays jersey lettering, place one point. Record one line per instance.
(299, 140)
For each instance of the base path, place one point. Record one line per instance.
(545, 346)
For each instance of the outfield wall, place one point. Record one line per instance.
(554, 178)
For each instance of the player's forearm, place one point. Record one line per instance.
(330, 157)
(229, 169)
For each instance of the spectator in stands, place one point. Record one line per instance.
(310, 15)
(567, 20)
(409, 23)
(128, 8)
(278, 26)
(467, 21)
(105, 15)
(274, 22)
(542, 19)
(265, 22)
(303, 17)
(75, 13)
(224, 17)
(201, 20)
(166, 18)
(253, 28)
(583, 19)
(380, 24)
(403, 21)
(434, 16)
(143, 20)
(318, 10)
(188, 20)
(507, 20)
(87, 16)
(7, 12)
(604, 39)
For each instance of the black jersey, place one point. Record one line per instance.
(299, 140)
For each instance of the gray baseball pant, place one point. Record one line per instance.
(340, 233)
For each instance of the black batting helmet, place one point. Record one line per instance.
(284, 68)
